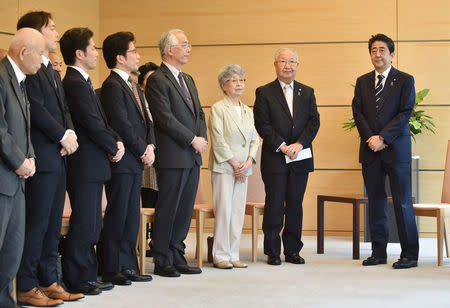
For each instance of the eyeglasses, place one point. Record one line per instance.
(283, 63)
(132, 51)
(240, 80)
(184, 45)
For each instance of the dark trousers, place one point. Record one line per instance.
(173, 213)
(79, 262)
(12, 229)
(284, 197)
(45, 194)
(374, 175)
(121, 222)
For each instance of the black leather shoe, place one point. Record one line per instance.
(166, 271)
(294, 258)
(104, 286)
(188, 270)
(404, 263)
(87, 289)
(116, 278)
(273, 260)
(134, 276)
(373, 261)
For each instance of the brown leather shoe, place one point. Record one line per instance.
(56, 291)
(35, 297)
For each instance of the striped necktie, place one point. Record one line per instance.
(379, 89)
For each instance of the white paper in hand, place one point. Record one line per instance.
(303, 154)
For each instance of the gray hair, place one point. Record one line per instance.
(227, 71)
(168, 39)
(277, 53)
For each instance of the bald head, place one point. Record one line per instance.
(26, 49)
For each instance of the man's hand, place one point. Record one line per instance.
(149, 156)
(27, 169)
(199, 144)
(119, 154)
(292, 150)
(69, 145)
(376, 143)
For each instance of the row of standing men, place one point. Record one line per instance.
(78, 138)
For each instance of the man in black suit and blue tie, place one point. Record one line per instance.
(287, 120)
(53, 138)
(88, 168)
(382, 105)
(125, 109)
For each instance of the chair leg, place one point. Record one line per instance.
(445, 236)
(255, 220)
(199, 230)
(440, 235)
(142, 245)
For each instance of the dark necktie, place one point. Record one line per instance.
(90, 83)
(138, 98)
(186, 91)
(22, 88)
(52, 72)
(379, 88)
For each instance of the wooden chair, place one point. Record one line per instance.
(255, 202)
(441, 211)
(202, 211)
(147, 216)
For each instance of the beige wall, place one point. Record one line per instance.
(331, 40)
(66, 14)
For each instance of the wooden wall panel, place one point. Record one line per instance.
(321, 67)
(429, 63)
(5, 40)
(423, 20)
(263, 21)
(8, 21)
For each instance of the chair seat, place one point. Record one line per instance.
(431, 206)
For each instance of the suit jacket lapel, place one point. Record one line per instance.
(370, 84)
(177, 86)
(296, 99)
(128, 90)
(57, 86)
(278, 91)
(234, 116)
(388, 86)
(15, 85)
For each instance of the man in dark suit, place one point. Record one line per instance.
(89, 166)
(382, 105)
(287, 120)
(125, 110)
(16, 152)
(53, 138)
(181, 138)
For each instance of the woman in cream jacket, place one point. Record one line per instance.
(234, 142)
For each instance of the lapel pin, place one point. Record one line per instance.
(299, 92)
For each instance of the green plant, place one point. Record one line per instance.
(418, 123)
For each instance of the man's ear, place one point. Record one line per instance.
(79, 54)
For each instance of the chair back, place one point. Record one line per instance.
(200, 197)
(255, 190)
(446, 185)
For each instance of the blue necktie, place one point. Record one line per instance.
(379, 88)
(186, 92)
(90, 83)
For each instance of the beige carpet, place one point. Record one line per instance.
(329, 280)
